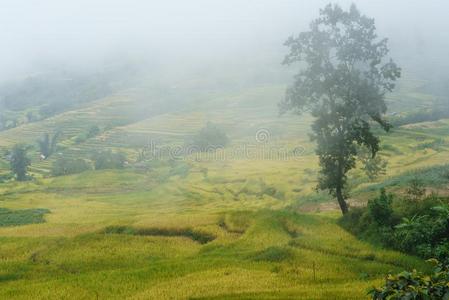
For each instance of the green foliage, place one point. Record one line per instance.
(47, 145)
(6, 177)
(52, 94)
(180, 169)
(21, 217)
(91, 132)
(273, 254)
(19, 161)
(380, 209)
(436, 145)
(419, 228)
(108, 160)
(209, 138)
(343, 85)
(435, 176)
(416, 189)
(8, 120)
(373, 166)
(198, 236)
(66, 166)
(415, 285)
(424, 115)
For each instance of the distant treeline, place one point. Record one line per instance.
(42, 96)
(440, 111)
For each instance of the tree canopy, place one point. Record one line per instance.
(19, 161)
(343, 79)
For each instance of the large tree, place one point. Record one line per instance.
(343, 78)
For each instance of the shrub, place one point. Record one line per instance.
(209, 138)
(380, 208)
(109, 160)
(273, 254)
(419, 228)
(21, 217)
(435, 145)
(415, 285)
(435, 176)
(66, 166)
(197, 236)
(91, 132)
(416, 189)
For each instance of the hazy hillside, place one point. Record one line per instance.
(157, 163)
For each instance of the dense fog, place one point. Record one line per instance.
(38, 35)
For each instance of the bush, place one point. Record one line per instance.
(6, 177)
(273, 254)
(435, 145)
(21, 217)
(380, 208)
(209, 138)
(435, 176)
(415, 285)
(415, 227)
(109, 160)
(66, 166)
(416, 190)
(91, 132)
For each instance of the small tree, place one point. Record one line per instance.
(47, 145)
(342, 82)
(210, 137)
(65, 166)
(416, 190)
(19, 161)
(380, 208)
(109, 160)
(414, 285)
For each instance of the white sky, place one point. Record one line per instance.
(84, 31)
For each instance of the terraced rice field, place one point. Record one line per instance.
(245, 227)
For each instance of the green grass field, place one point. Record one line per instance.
(256, 248)
(246, 227)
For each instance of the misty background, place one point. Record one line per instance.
(38, 36)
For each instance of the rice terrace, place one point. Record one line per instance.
(224, 150)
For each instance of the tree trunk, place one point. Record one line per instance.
(341, 201)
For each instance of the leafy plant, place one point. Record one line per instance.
(380, 208)
(418, 228)
(416, 189)
(373, 166)
(109, 160)
(415, 285)
(65, 166)
(91, 132)
(21, 217)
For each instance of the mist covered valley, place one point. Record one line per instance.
(224, 150)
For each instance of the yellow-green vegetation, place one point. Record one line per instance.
(245, 227)
(122, 234)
